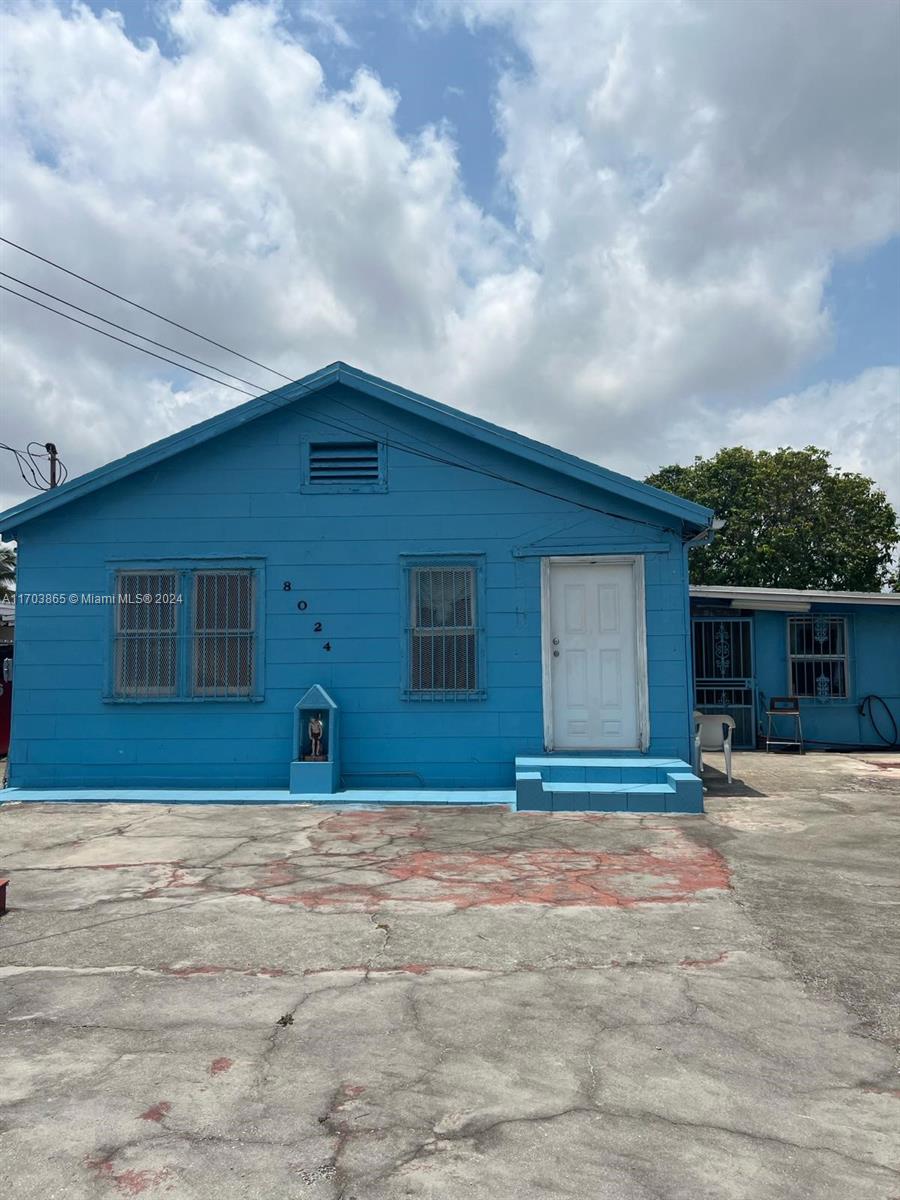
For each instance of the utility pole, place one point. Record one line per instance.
(54, 460)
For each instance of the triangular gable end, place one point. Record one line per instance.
(693, 515)
(315, 697)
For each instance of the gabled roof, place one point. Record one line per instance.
(694, 515)
(315, 697)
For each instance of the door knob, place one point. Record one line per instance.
(556, 654)
(556, 641)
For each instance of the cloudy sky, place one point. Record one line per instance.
(638, 231)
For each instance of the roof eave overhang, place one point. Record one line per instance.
(783, 600)
(694, 518)
(177, 443)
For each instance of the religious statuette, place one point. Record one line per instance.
(316, 732)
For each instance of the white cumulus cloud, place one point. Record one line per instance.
(681, 178)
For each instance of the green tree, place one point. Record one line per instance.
(7, 572)
(791, 520)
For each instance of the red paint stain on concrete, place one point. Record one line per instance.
(721, 957)
(673, 871)
(219, 1065)
(350, 1091)
(663, 866)
(883, 1091)
(126, 1182)
(157, 1112)
(367, 826)
(177, 877)
(278, 873)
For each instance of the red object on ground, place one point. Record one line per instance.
(5, 705)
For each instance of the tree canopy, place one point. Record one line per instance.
(7, 572)
(792, 520)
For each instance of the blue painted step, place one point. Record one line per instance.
(558, 783)
(557, 768)
(609, 797)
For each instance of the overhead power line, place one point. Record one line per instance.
(159, 316)
(23, 463)
(343, 427)
(26, 461)
(59, 472)
(134, 333)
(464, 466)
(125, 342)
(463, 417)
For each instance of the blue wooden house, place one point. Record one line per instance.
(459, 606)
(836, 653)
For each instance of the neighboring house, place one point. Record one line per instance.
(7, 625)
(466, 596)
(837, 652)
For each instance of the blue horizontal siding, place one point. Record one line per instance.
(874, 668)
(239, 497)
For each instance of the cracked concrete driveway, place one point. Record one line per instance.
(457, 1004)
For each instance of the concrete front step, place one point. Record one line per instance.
(555, 768)
(609, 797)
(555, 783)
(647, 788)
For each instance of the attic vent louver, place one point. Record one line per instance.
(344, 462)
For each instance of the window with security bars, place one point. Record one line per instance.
(443, 651)
(146, 641)
(224, 633)
(818, 654)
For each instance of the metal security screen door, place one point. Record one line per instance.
(593, 632)
(723, 673)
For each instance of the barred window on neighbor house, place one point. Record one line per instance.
(443, 652)
(146, 641)
(223, 633)
(818, 655)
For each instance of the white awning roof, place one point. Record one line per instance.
(788, 599)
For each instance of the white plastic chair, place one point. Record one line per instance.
(712, 731)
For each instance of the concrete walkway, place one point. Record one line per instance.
(458, 1003)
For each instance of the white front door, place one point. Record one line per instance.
(591, 640)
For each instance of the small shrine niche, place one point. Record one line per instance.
(314, 768)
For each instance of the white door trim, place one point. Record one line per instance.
(640, 636)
